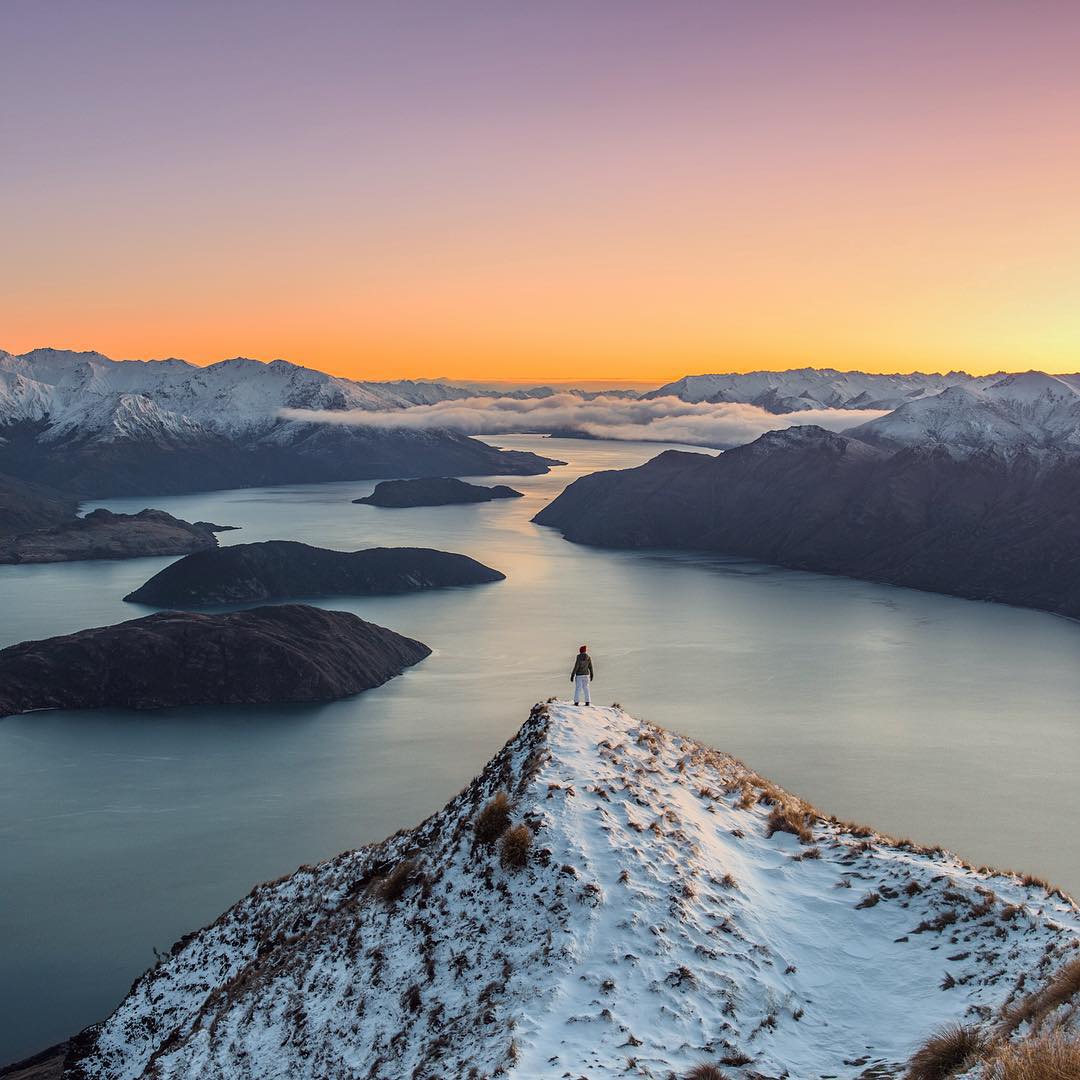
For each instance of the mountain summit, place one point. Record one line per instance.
(606, 899)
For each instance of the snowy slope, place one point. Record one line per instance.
(103, 427)
(815, 388)
(1030, 409)
(656, 925)
(81, 392)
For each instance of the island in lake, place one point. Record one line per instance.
(101, 534)
(267, 655)
(285, 569)
(434, 491)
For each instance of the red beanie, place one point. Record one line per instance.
(583, 648)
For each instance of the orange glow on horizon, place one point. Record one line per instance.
(578, 192)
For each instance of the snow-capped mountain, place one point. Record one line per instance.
(98, 426)
(229, 397)
(801, 389)
(1031, 410)
(606, 899)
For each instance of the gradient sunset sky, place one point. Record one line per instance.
(548, 190)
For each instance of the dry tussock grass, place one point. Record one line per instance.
(944, 1053)
(748, 797)
(1034, 1010)
(792, 817)
(706, 1072)
(515, 847)
(392, 887)
(1053, 1056)
(494, 819)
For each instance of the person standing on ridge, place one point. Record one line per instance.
(582, 675)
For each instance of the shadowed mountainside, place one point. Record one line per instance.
(981, 525)
(25, 507)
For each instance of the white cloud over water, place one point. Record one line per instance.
(666, 419)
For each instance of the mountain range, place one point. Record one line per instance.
(606, 899)
(1030, 410)
(96, 427)
(802, 389)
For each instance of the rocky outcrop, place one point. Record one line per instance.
(435, 491)
(101, 534)
(269, 655)
(284, 569)
(976, 524)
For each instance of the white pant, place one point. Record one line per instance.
(581, 689)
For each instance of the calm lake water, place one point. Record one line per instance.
(946, 720)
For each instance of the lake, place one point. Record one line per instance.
(941, 719)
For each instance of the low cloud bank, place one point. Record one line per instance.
(666, 419)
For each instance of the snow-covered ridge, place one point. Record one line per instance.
(801, 389)
(1029, 409)
(90, 394)
(659, 922)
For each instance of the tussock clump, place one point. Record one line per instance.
(494, 819)
(705, 1072)
(869, 900)
(1062, 988)
(795, 818)
(736, 1057)
(1054, 1056)
(392, 887)
(852, 828)
(946, 918)
(944, 1053)
(748, 797)
(515, 847)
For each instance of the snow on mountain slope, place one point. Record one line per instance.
(233, 395)
(103, 427)
(1029, 409)
(77, 391)
(659, 922)
(801, 389)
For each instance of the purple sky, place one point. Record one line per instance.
(612, 189)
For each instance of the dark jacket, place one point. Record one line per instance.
(582, 665)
